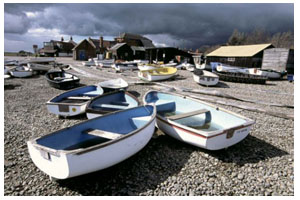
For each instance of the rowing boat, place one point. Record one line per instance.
(94, 144)
(157, 74)
(196, 122)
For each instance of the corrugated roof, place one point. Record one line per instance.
(239, 51)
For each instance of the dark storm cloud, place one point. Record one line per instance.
(191, 25)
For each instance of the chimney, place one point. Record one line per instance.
(62, 39)
(71, 38)
(101, 42)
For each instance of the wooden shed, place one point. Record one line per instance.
(121, 51)
(278, 59)
(165, 54)
(249, 56)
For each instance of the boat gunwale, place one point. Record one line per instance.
(50, 102)
(249, 122)
(97, 146)
(90, 110)
(53, 81)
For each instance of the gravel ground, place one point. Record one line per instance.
(262, 164)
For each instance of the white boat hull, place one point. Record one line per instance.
(148, 77)
(73, 110)
(269, 74)
(206, 80)
(66, 165)
(217, 142)
(123, 68)
(21, 74)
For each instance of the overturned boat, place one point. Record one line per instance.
(110, 102)
(94, 144)
(73, 102)
(113, 85)
(196, 122)
(21, 72)
(205, 78)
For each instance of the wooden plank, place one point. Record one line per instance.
(78, 98)
(189, 114)
(104, 134)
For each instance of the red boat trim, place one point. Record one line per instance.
(198, 134)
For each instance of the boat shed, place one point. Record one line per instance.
(165, 54)
(250, 56)
(122, 51)
(279, 59)
(89, 48)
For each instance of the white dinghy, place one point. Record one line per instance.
(94, 144)
(113, 85)
(206, 78)
(196, 122)
(21, 72)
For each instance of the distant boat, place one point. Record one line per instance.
(188, 66)
(237, 74)
(89, 63)
(122, 66)
(270, 74)
(106, 63)
(40, 67)
(110, 102)
(21, 71)
(113, 85)
(196, 122)
(62, 80)
(157, 74)
(73, 102)
(143, 67)
(206, 78)
(94, 144)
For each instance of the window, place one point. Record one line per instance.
(230, 59)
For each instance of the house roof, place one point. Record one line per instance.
(96, 43)
(239, 51)
(117, 46)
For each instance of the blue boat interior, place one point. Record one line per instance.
(87, 91)
(169, 105)
(78, 136)
(113, 102)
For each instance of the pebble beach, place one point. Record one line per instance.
(260, 165)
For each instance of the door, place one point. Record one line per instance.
(82, 55)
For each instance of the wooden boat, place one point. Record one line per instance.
(113, 85)
(196, 122)
(73, 102)
(94, 144)
(62, 80)
(21, 71)
(206, 78)
(110, 102)
(241, 77)
(158, 74)
(122, 66)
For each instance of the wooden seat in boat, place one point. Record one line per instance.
(78, 98)
(193, 113)
(104, 134)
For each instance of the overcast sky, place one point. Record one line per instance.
(183, 25)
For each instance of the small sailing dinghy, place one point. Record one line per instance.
(113, 85)
(21, 72)
(94, 144)
(40, 67)
(196, 122)
(73, 102)
(206, 78)
(157, 74)
(110, 102)
(62, 80)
